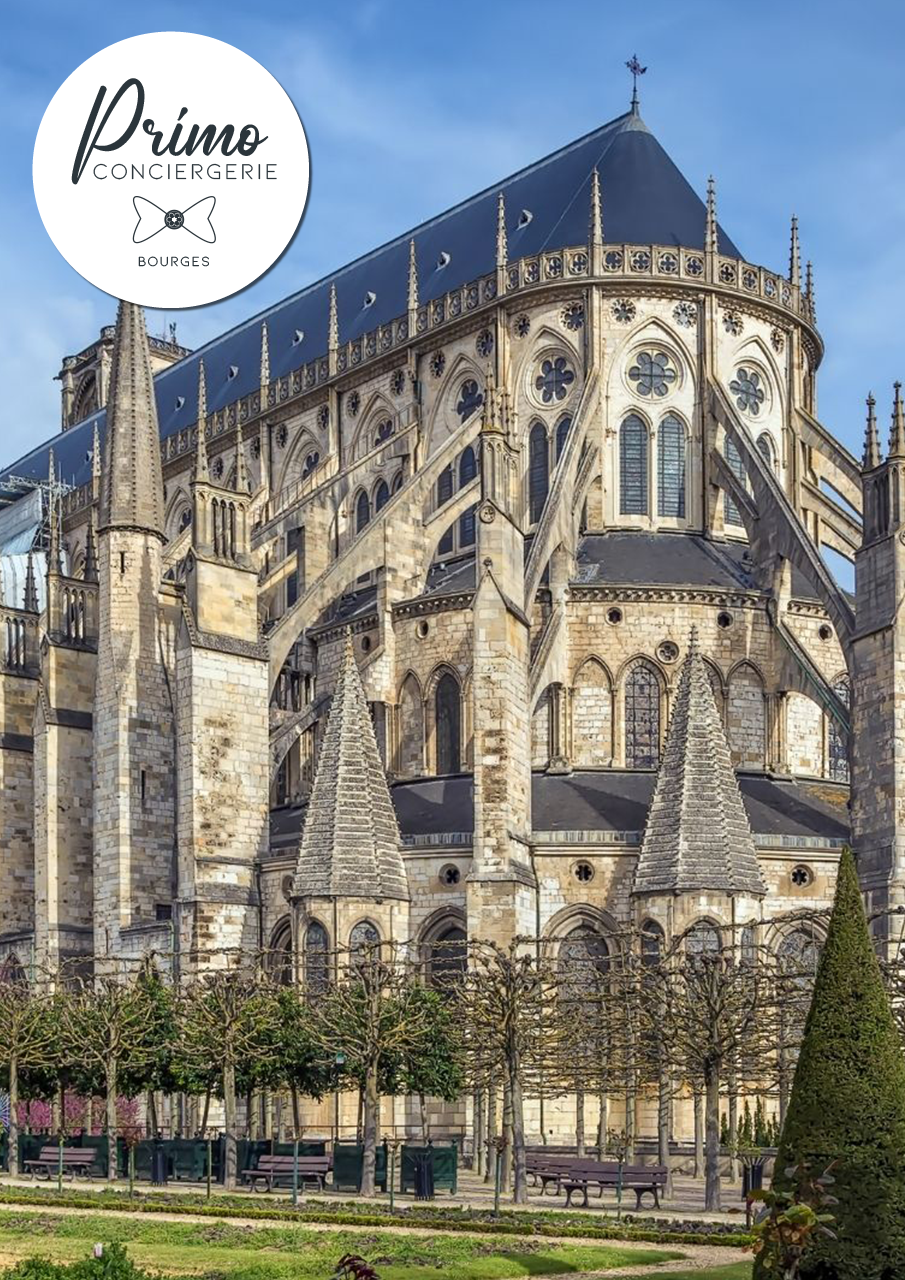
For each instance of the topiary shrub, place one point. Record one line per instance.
(847, 1107)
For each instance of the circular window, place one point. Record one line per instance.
(614, 616)
(801, 877)
(583, 872)
(450, 876)
(652, 374)
(286, 886)
(422, 629)
(365, 644)
(825, 632)
(668, 651)
(724, 619)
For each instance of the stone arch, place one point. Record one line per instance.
(280, 951)
(591, 699)
(581, 915)
(636, 335)
(444, 413)
(756, 352)
(179, 501)
(548, 343)
(364, 935)
(442, 943)
(746, 720)
(446, 721)
(410, 728)
(305, 442)
(315, 953)
(540, 730)
(378, 410)
(804, 735)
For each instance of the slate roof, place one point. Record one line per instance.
(603, 800)
(663, 559)
(697, 836)
(350, 843)
(645, 200)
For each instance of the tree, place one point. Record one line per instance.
(293, 1058)
(226, 1023)
(374, 1023)
(434, 1067)
(27, 1040)
(847, 1107)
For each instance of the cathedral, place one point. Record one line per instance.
(474, 591)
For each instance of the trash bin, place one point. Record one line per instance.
(158, 1164)
(424, 1175)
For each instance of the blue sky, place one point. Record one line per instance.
(410, 107)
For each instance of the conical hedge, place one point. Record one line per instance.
(848, 1102)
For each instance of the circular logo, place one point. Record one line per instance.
(171, 169)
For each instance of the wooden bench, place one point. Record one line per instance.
(76, 1160)
(544, 1170)
(642, 1179)
(272, 1171)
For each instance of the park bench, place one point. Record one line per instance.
(544, 1170)
(76, 1160)
(642, 1179)
(272, 1171)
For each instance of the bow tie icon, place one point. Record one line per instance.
(196, 219)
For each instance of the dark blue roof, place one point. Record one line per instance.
(645, 198)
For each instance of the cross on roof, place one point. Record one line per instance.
(637, 70)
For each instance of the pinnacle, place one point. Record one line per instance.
(697, 836)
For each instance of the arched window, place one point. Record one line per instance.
(397, 481)
(468, 467)
(538, 471)
(381, 495)
(317, 964)
(837, 741)
(448, 708)
(185, 519)
(702, 940)
(583, 962)
(281, 953)
(652, 940)
(642, 718)
(799, 953)
(562, 434)
(766, 449)
(731, 513)
(467, 527)
(445, 545)
(633, 466)
(364, 940)
(362, 512)
(447, 957)
(671, 467)
(445, 486)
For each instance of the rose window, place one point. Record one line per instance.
(652, 373)
(747, 389)
(685, 314)
(484, 344)
(470, 398)
(623, 310)
(554, 379)
(384, 431)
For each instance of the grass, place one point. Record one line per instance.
(233, 1251)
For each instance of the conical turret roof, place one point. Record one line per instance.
(697, 835)
(131, 480)
(350, 843)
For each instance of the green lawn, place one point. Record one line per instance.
(231, 1251)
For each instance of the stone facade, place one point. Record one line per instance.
(506, 507)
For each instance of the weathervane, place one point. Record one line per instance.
(637, 70)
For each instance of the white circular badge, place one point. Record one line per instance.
(171, 169)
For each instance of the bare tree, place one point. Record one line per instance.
(27, 1041)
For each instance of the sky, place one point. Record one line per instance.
(410, 107)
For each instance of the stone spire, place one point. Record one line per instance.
(697, 837)
(90, 572)
(31, 587)
(350, 842)
(202, 472)
(96, 459)
(795, 256)
(871, 456)
(332, 331)
(242, 483)
(502, 243)
(55, 550)
(132, 481)
(897, 432)
(265, 363)
(595, 236)
(412, 288)
(711, 237)
(809, 291)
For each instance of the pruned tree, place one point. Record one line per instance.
(27, 1041)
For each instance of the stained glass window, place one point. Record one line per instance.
(384, 431)
(448, 957)
(381, 495)
(310, 464)
(562, 435)
(448, 708)
(731, 513)
(445, 545)
(671, 467)
(652, 939)
(316, 962)
(837, 744)
(652, 373)
(642, 718)
(583, 961)
(766, 450)
(470, 398)
(702, 940)
(362, 512)
(364, 940)
(538, 471)
(633, 466)
(467, 527)
(468, 467)
(747, 389)
(445, 485)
